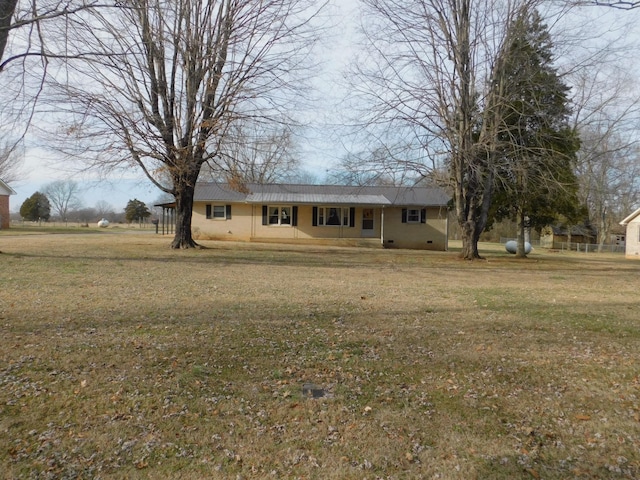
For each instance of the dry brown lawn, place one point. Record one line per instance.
(120, 358)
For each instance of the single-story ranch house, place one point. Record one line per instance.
(632, 237)
(398, 217)
(5, 191)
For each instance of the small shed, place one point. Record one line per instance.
(632, 237)
(617, 235)
(554, 236)
(5, 191)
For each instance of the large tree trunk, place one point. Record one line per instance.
(521, 251)
(471, 229)
(469, 241)
(475, 201)
(184, 192)
(7, 7)
(603, 229)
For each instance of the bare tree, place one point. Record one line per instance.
(172, 80)
(11, 157)
(28, 17)
(103, 209)
(63, 196)
(431, 75)
(25, 50)
(356, 169)
(383, 164)
(609, 174)
(256, 154)
(606, 116)
(623, 4)
(84, 215)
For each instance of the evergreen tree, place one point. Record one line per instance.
(537, 154)
(136, 211)
(36, 208)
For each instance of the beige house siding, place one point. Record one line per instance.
(632, 237)
(632, 245)
(245, 224)
(431, 235)
(239, 227)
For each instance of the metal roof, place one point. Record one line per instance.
(317, 198)
(322, 194)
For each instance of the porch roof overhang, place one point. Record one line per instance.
(317, 199)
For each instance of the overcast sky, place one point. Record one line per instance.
(320, 149)
(39, 169)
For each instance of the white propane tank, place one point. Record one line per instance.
(512, 247)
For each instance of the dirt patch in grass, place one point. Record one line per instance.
(123, 359)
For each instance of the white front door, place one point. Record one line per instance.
(368, 222)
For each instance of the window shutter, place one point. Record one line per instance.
(294, 216)
(264, 215)
(227, 209)
(404, 215)
(423, 215)
(314, 220)
(209, 211)
(352, 217)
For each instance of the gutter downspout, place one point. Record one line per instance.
(382, 226)
(254, 219)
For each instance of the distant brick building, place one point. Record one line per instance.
(5, 191)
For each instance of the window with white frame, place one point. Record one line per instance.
(413, 215)
(218, 212)
(279, 215)
(333, 216)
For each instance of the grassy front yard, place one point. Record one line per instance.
(120, 358)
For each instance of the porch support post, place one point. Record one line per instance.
(446, 231)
